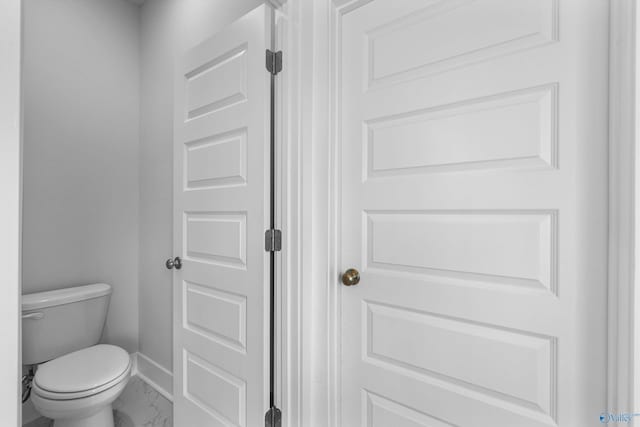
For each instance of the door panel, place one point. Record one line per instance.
(466, 136)
(473, 142)
(440, 35)
(220, 294)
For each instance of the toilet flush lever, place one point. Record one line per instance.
(34, 316)
(174, 263)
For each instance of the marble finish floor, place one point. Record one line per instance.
(139, 405)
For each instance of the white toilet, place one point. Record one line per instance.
(80, 380)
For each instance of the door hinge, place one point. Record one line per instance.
(273, 240)
(274, 61)
(273, 418)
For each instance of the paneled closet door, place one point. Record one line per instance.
(221, 212)
(473, 141)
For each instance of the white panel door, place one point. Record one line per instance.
(473, 142)
(220, 295)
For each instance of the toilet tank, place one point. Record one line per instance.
(58, 322)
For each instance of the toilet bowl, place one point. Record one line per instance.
(76, 390)
(76, 379)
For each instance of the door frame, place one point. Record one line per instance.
(10, 209)
(623, 344)
(315, 25)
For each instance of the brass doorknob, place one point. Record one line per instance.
(351, 277)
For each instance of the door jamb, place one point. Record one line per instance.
(288, 325)
(315, 25)
(622, 378)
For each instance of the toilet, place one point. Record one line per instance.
(77, 379)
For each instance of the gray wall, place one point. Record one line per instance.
(81, 118)
(167, 27)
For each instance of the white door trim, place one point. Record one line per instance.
(622, 195)
(288, 340)
(305, 215)
(10, 211)
(317, 166)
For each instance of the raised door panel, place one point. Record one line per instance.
(217, 315)
(510, 248)
(510, 130)
(214, 390)
(216, 161)
(507, 364)
(440, 35)
(217, 238)
(204, 92)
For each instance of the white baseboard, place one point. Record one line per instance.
(153, 374)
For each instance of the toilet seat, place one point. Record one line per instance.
(82, 373)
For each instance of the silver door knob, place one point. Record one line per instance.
(174, 263)
(351, 277)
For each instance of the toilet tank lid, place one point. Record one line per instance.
(45, 299)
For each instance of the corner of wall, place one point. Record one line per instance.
(153, 374)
